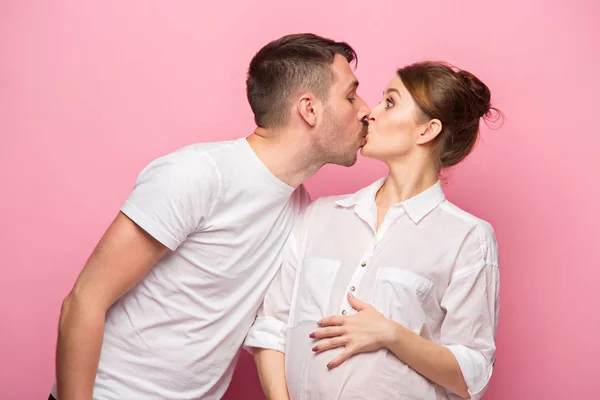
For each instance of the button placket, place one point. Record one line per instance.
(356, 279)
(393, 215)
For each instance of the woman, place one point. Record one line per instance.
(392, 292)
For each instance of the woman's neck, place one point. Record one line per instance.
(406, 180)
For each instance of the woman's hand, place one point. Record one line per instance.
(366, 331)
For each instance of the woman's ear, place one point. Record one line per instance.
(431, 130)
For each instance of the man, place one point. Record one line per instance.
(164, 302)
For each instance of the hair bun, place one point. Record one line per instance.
(481, 95)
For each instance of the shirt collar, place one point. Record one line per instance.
(416, 207)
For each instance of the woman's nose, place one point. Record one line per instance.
(374, 113)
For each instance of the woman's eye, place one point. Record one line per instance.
(388, 103)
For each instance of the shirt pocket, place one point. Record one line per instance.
(400, 295)
(313, 292)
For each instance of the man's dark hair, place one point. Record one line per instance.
(287, 65)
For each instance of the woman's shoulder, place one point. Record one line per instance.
(481, 232)
(455, 212)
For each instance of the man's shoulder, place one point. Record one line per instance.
(184, 169)
(201, 151)
(192, 159)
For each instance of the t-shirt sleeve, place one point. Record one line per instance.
(173, 196)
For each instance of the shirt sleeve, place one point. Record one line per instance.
(173, 196)
(471, 303)
(270, 326)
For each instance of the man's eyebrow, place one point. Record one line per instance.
(353, 85)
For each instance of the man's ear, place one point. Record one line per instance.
(307, 106)
(430, 131)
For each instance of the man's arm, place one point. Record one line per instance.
(172, 198)
(122, 257)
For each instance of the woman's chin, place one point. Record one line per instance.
(365, 151)
(369, 152)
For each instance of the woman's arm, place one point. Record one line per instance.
(369, 330)
(435, 362)
(462, 360)
(266, 339)
(271, 371)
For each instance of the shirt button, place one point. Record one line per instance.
(352, 288)
(344, 312)
(363, 264)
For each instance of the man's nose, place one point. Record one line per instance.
(364, 112)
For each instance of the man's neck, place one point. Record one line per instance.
(288, 158)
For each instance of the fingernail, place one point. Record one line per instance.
(315, 348)
(351, 295)
(329, 366)
(319, 322)
(312, 335)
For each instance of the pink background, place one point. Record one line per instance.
(92, 91)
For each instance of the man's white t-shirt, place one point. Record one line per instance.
(225, 218)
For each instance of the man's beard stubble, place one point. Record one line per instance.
(330, 149)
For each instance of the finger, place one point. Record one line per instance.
(328, 344)
(345, 355)
(336, 320)
(330, 331)
(357, 304)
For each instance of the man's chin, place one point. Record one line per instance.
(350, 161)
(347, 161)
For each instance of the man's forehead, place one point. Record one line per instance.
(342, 71)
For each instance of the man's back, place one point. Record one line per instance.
(143, 322)
(225, 217)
